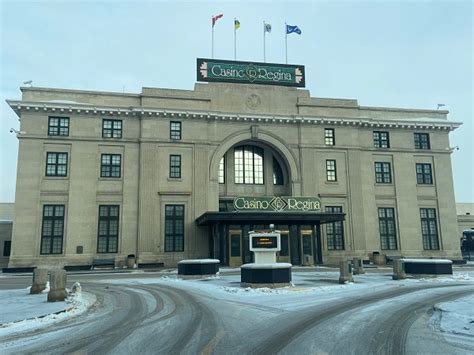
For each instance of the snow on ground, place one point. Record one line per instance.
(21, 311)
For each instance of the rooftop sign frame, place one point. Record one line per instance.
(227, 71)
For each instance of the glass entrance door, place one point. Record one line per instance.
(306, 235)
(283, 255)
(235, 247)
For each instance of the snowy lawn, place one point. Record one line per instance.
(22, 311)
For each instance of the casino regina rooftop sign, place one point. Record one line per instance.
(225, 71)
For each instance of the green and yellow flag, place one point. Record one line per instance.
(236, 24)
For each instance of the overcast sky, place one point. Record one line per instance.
(410, 54)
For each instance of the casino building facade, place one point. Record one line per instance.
(168, 175)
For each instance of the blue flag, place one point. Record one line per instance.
(291, 29)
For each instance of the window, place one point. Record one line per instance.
(388, 235)
(174, 228)
(248, 165)
(277, 173)
(175, 166)
(383, 173)
(175, 130)
(422, 141)
(52, 230)
(222, 171)
(335, 231)
(112, 128)
(111, 165)
(331, 170)
(429, 229)
(7, 247)
(58, 126)
(423, 174)
(329, 138)
(56, 164)
(381, 140)
(107, 240)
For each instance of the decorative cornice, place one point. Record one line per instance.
(65, 108)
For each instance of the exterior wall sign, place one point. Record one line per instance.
(277, 204)
(225, 71)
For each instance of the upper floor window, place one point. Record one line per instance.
(222, 171)
(277, 173)
(429, 229)
(175, 130)
(424, 174)
(111, 128)
(383, 173)
(175, 166)
(381, 139)
(56, 164)
(329, 137)
(52, 230)
(422, 141)
(331, 174)
(58, 126)
(107, 240)
(111, 165)
(248, 165)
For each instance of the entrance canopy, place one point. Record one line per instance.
(210, 218)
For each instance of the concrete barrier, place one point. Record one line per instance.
(428, 266)
(198, 267)
(399, 269)
(40, 278)
(358, 266)
(57, 286)
(345, 269)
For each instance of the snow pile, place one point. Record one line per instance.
(457, 317)
(46, 290)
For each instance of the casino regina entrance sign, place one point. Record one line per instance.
(225, 71)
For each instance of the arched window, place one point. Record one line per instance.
(222, 171)
(277, 173)
(248, 164)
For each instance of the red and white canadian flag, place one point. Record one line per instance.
(215, 18)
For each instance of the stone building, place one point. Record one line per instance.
(172, 174)
(6, 226)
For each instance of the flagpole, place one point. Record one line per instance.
(235, 41)
(264, 42)
(286, 43)
(212, 43)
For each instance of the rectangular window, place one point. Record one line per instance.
(52, 230)
(423, 174)
(174, 228)
(222, 171)
(335, 231)
(175, 166)
(111, 128)
(388, 235)
(381, 139)
(429, 228)
(58, 126)
(110, 165)
(329, 138)
(383, 173)
(422, 141)
(331, 174)
(107, 239)
(56, 164)
(7, 247)
(175, 130)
